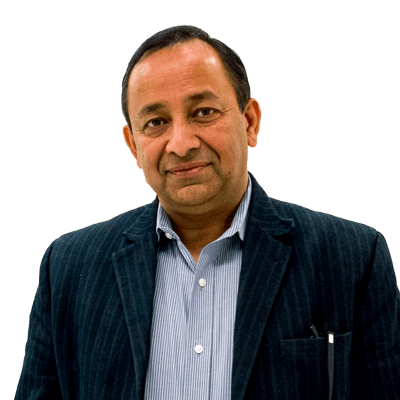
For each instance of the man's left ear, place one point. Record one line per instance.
(253, 117)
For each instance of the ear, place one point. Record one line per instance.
(253, 117)
(130, 142)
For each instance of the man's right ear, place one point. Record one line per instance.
(130, 142)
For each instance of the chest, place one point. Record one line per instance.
(193, 320)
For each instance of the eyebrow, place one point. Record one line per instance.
(197, 97)
(150, 108)
(192, 98)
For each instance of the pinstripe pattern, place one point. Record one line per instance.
(90, 325)
(186, 315)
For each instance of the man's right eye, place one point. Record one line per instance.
(154, 123)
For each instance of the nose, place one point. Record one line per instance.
(182, 138)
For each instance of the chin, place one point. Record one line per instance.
(194, 195)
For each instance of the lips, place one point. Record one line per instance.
(185, 167)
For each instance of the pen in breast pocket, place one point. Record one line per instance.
(314, 331)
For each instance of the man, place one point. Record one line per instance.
(215, 290)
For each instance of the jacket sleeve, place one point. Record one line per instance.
(39, 378)
(377, 338)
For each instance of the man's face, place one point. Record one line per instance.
(189, 135)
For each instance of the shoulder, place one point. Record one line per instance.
(306, 216)
(326, 230)
(303, 222)
(101, 238)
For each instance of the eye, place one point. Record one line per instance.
(154, 123)
(205, 112)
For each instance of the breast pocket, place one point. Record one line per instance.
(304, 365)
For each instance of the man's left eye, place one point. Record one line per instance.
(205, 112)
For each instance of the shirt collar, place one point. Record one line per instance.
(238, 224)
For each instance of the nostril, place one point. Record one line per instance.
(182, 145)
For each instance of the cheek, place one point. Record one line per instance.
(232, 144)
(149, 154)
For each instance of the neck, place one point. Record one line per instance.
(198, 226)
(202, 229)
(196, 233)
(198, 229)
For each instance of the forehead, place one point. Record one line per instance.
(176, 71)
(190, 50)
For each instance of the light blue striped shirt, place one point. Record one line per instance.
(194, 311)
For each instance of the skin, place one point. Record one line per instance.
(190, 138)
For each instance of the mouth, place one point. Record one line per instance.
(183, 167)
(188, 170)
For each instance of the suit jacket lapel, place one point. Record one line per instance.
(264, 263)
(135, 269)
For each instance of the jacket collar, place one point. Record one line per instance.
(264, 215)
(145, 224)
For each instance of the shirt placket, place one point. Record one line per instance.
(200, 327)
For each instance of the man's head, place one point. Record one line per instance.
(187, 130)
(179, 34)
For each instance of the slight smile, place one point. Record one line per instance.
(188, 170)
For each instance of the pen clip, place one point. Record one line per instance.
(314, 331)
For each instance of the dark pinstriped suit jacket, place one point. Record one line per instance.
(89, 333)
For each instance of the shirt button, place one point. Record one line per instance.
(202, 282)
(198, 349)
(168, 235)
